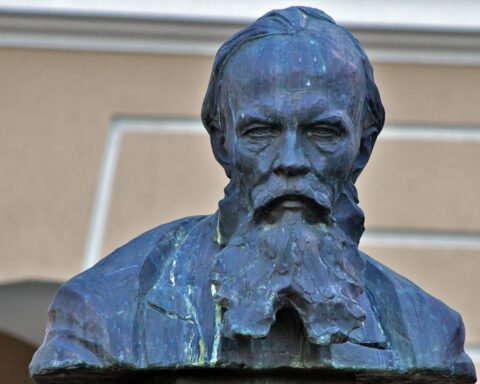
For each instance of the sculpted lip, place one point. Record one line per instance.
(312, 210)
(292, 202)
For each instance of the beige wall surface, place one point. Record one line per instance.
(418, 185)
(15, 356)
(161, 178)
(429, 94)
(55, 112)
(56, 109)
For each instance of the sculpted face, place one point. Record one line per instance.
(292, 107)
(292, 112)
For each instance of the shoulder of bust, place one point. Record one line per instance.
(385, 280)
(425, 332)
(92, 316)
(103, 281)
(133, 254)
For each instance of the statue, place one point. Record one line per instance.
(273, 282)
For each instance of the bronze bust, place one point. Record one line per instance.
(273, 281)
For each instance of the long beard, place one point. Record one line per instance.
(313, 267)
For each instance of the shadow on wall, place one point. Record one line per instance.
(15, 356)
(23, 317)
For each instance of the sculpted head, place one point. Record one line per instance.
(293, 114)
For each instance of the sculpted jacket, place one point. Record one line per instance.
(149, 305)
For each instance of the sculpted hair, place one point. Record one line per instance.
(289, 21)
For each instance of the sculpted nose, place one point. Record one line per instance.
(290, 159)
(291, 168)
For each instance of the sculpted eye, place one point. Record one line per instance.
(260, 132)
(320, 132)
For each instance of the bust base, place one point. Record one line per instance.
(242, 376)
(220, 376)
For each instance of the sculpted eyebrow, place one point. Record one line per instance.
(338, 121)
(247, 121)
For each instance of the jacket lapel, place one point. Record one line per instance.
(172, 334)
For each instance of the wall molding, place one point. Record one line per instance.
(372, 237)
(168, 35)
(451, 134)
(420, 240)
(103, 195)
(446, 14)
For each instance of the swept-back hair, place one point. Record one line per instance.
(293, 21)
(288, 21)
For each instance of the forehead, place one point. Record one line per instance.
(326, 63)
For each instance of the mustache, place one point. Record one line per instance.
(274, 190)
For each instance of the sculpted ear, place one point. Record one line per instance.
(367, 141)
(217, 140)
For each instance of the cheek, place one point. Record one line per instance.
(345, 159)
(334, 166)
(252, 160)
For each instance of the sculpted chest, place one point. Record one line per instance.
(180, 316)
